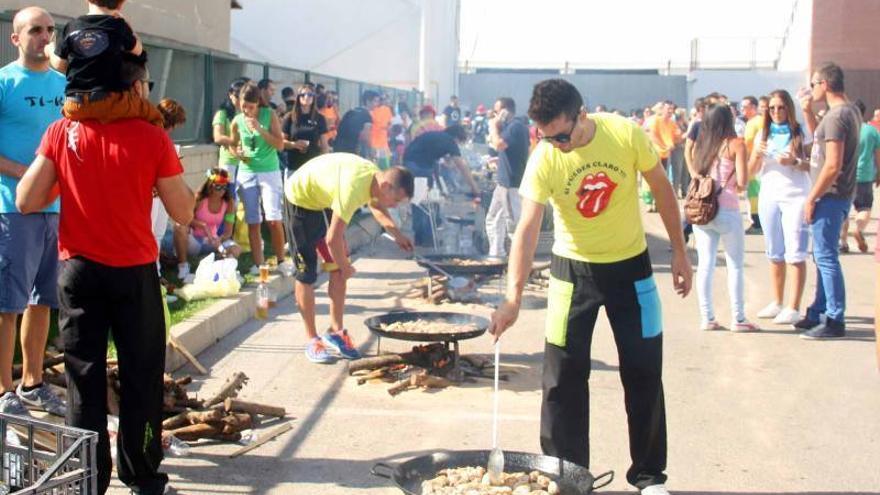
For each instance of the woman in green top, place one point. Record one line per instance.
(222, 124)
(256, 140)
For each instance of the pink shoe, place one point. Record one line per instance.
(711, 326)
(745, 326)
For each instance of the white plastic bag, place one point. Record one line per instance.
(213, 278)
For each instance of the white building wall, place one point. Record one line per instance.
(795, 55)
(377, 41)
(738, 83)
(195, 22)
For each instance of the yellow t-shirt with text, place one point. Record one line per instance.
(339, 181)
(594, 191)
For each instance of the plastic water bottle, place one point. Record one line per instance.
(262, 302)
(177, 447)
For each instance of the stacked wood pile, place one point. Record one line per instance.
(425, 366)
(223, 416)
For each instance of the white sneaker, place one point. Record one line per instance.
(183, 271)
(254, 271)
(655, 490)
(770, 311)
(788, 316)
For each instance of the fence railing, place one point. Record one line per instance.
(199, 78)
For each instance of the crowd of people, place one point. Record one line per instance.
(82, 224)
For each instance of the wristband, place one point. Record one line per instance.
(229, 217)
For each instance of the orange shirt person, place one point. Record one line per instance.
(382, 116)
(664, 132)
(330, 111)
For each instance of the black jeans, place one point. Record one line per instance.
(627, 290)
(96, 299)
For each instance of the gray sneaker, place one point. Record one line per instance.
(43, 398)
(11, 404)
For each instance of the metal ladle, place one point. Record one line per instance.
(495, 467)
(454, 282)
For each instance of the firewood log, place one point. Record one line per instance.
(371, 363)
(48, 362)
(191, 418)
(379, 373)
(235, 405)
(229, 389)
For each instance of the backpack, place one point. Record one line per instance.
(701, 202)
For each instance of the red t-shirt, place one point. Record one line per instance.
(106, 180)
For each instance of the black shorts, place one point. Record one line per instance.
(307, 230)
(864, 200)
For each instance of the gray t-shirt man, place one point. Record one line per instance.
(841, 123)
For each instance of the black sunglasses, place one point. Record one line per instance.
(219, 187)
(562, 138)
(307, 94)
(814, 84)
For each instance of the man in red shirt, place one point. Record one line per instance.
(105, 174)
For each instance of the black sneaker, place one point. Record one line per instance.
(754, 230)
(806, 324)
(826, 331)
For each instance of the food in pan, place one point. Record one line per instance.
(428, 326)
(467, 262)
(475, 481)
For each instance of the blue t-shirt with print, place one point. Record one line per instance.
(29, 102)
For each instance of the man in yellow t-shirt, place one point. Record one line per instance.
(754, 125)
(587, 168)
(323, 196)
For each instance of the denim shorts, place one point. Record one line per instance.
(261, 188)
(28, 261)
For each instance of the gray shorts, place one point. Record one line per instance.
(28, 261)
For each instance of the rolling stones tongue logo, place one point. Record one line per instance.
(595, 193)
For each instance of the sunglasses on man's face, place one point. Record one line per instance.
(562, 138)
(813, 84)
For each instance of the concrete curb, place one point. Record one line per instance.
(207, 327)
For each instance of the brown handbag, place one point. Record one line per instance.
(701, 202)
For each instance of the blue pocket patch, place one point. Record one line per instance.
(649, 302)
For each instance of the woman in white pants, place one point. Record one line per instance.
(778, 157)
(719, 154)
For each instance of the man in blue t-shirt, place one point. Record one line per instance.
(509, 136)
(31, 97)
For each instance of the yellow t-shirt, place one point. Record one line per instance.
(753, 128)
(594, 191)
(667, 132)
(339, 181)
